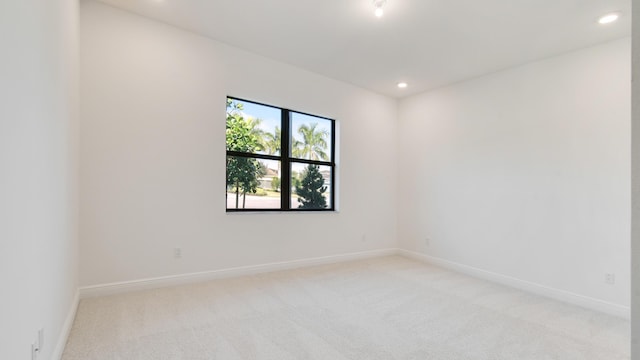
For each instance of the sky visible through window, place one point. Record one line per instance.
(270, 119)
(270, 116)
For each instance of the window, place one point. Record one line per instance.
(278, 159)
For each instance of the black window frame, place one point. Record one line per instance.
(286, 159)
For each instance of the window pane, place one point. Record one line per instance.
(310, 186)
(252, 183)
(310, 137)
(253, 128)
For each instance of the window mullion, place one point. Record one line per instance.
(285, 181)
(333, 164)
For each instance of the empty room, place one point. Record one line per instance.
(342, 179)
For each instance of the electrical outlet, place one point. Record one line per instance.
(177, 253)
(610, 278)
(427, 241)
(364, 238)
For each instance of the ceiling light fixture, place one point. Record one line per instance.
(402, 85)
(379, 4)
(609, 18)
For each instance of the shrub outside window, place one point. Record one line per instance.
(278, 159)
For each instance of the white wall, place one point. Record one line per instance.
(152, 155)
(635, 165)
(38, 173)
(525, 172)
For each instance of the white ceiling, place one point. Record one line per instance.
(427, 43)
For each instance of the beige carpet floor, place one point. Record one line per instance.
(385, 308)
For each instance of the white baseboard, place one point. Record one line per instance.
(66, 327)
(556, 294)
(173, 280)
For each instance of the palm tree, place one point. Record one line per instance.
(313, 145)
(254, 124)
(272, 142)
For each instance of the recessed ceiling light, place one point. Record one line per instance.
(609, 18)
(378, 5)
(402, 85)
